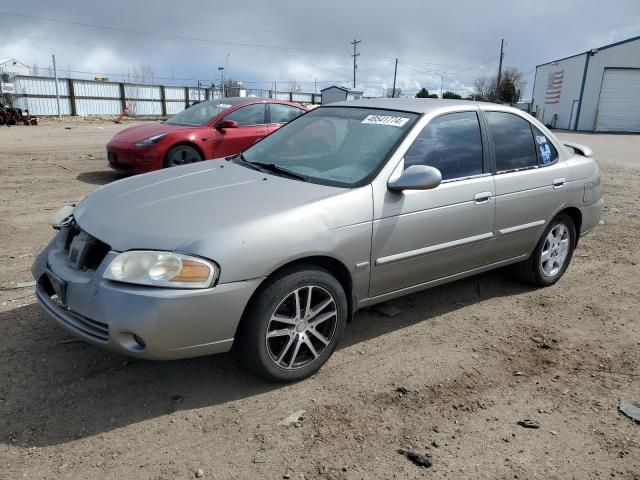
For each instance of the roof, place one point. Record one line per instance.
(348, 90)
(415, 105)
(7, 60)
(604, 47)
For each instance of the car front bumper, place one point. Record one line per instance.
(143, 322)
(125, 157)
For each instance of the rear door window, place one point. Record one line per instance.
(283, 113)
(249, 115)
(512, 140)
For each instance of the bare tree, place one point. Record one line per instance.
(295, 86)
(483, 88)
(143, 74)
(511, 86)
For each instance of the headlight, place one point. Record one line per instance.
(147, 142)
(162, 269)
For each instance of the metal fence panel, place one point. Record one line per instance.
(193, 94)
(145, 107)
(147, 92)
(84, 88)
(96, 106)
(174, 107)
(282, 95)
(302, 97)
(174, 93)
(43, 106)
(40, 86)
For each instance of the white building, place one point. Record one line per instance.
(597, 91)
(339, 94)
(13, 67)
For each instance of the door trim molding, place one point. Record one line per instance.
(524, 226)
(398, 257)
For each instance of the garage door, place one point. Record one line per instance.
(619, 106)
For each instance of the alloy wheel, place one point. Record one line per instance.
(301, 327)
(555, 250)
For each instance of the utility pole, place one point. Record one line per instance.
(55, 76)
(395, 74)
(441, 85)
(499, 70)
(355, 56)
(221, 69)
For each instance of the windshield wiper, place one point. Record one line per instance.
(273, 168)
(268, 167)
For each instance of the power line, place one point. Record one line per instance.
(166, 35)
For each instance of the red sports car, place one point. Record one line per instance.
(211, 129)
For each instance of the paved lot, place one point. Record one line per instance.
(69, 410)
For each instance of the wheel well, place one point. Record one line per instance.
(333, 266)
(576, 216)
(188, 144)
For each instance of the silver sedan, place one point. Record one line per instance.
(271, 252)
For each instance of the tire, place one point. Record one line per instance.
(181, 155)
(303, 341)
(556, 244)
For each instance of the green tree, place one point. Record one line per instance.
(452, 95)
(424, 93)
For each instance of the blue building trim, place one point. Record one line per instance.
(584, 80)
(621, 42)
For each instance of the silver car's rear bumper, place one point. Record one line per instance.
(151, 323)
(591, 215)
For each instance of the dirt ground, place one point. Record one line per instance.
(476, 356)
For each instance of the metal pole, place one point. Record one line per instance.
(499, 70)
(55, 75)
(395, 73)
(198, 90)
(221, 69)
(355, 56)
(441, 84)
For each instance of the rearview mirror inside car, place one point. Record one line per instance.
(416, 177)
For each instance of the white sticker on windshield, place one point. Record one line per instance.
(385, 120)
(224, 105)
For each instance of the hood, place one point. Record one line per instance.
(183, 207)
(140, 132)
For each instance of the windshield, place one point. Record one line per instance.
(340, 146)
(199, 114)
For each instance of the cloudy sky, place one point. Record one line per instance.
(280, 41)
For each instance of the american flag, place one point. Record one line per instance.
(554, 86)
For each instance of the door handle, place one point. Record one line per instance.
(482, 197)
(559, 182)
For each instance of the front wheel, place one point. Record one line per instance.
(293, 325)
(181, 155)
(552, 254)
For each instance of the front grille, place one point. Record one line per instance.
(91, 257)
(112, 157)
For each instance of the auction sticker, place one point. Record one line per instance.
(389, 120)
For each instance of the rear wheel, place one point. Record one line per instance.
(552, 255)
(181, 155)
(293, 325)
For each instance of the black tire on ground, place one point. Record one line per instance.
(181, 155)
(257, 352)
(531, 270)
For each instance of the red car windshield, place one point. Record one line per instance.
(199, 114)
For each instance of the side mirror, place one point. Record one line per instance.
(416, 177)
(221, 125)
